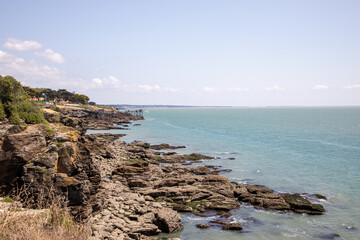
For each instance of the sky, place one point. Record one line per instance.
(187, 52)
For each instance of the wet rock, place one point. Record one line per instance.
(196, 156)
(232, 226)
(224, 214)
(164, 146)
(203, 225)
(261, 197)
(329, 236)
(299, 204)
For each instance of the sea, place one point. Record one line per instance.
(297, 150)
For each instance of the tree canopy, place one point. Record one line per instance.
(61, 94)
(15, 103)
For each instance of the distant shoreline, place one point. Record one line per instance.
(126, 106)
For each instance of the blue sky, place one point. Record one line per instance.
(198, 52)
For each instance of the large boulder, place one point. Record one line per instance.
(168, 220)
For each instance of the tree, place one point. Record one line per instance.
(2, 112)
(16, 104)
(79, 98)
(32, 92)
(64, 94)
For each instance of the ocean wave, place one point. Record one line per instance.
(197, 218)
(323, 142)
(226, 153)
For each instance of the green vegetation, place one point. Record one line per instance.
(8, 200)
(135, 160)
(15, 103)
(59, 95)
(157, 158)
(194, 205)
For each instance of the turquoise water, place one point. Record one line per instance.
(312, 150)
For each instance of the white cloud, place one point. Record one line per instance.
(33, 74)
(321, 87)
(149, 88)
(275, 88)
(170, 89)
(112, 82)
(51, 55)
(19, 45)
(108, 82)
(352, 86)
(237, 89)
(209, 89)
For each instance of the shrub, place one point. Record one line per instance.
(14, 118)
(2, 112)
(8, 200)
(15, 103)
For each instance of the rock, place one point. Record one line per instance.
(168, 220)
(225, 214)
(261, 197)
(51, 116)
(232, 226)
(182, 208)
(18, 146)
(146, 229)
(200, 170)
(327, 236)
(137, 183)
(299, 204)
(164, 146)
(131, 168)
(196, 156)
(203, 225)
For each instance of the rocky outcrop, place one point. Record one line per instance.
(126, 191)
(261, 197)
(101, 119)
(300, 204)
(50, 158)
(165, 146)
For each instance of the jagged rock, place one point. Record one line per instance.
(261, 197)
(131, 168)
(18, 145)
(164, 146)
(203, 225)
(232, 226)
(301, 205)
(200, 170)
(51, 116)
(168, 220)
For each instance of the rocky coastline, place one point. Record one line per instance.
(126, 190)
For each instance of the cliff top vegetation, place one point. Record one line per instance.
(15, 103)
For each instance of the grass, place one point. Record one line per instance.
(8, 200)
(135, 160)
(157, 158)
(53, 223)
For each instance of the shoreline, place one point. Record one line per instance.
(135, 191)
